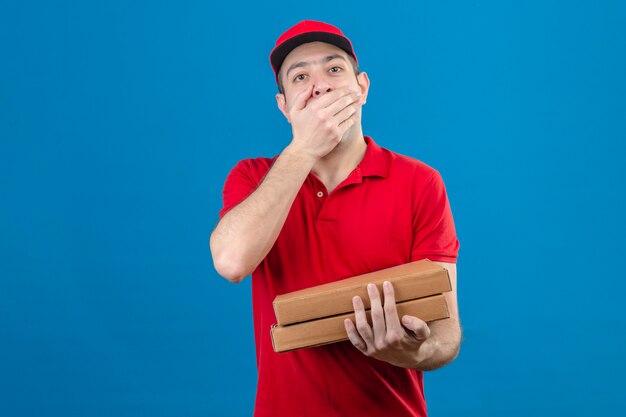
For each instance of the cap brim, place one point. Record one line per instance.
(280, 52)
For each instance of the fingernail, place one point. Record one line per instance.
(387, 284)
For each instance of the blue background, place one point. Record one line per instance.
(120, 120)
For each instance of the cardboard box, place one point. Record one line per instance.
(412, 280)
(331, 329)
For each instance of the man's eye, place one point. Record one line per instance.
(299, 77)
(335, 68)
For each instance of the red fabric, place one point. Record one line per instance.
(391, 209)
(307, 26)
(308, 31)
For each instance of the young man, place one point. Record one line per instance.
(332, 205)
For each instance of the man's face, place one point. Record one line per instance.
(322, 65)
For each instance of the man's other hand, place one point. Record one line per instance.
(318, 124)
(387, 339)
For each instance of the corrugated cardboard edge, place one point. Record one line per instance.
(313, 302)
(331, 329)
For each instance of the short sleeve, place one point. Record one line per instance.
(434, 235)
(238, 186)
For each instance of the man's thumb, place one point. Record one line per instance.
(301, 98)
(418, 327)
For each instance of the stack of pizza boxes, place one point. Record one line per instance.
(315, 316)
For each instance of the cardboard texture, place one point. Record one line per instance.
(331, 329)
(412, 280)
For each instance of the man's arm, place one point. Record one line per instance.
(247, 232)
(409, 342)
(444, 343)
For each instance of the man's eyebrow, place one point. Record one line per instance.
(301, 64)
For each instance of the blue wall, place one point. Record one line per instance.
(120, 120)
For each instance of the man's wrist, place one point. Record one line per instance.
(292, 151)
(424, 355)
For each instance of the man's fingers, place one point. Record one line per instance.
(391, 313)
(345, 114)
(378, 316)
(353, 335)
(362, 326)
(351, 100)
(347, 124)
(329, 99)
(418, 329)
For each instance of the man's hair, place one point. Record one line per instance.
(281, 87)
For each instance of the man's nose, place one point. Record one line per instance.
(321, 85)
(319, 90)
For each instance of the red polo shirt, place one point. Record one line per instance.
(390, 210)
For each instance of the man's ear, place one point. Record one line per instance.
(282, 105)
(364, 85)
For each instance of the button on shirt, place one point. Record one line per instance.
(391, 209)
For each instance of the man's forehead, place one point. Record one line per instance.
(312, 51)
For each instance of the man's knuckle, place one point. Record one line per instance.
(377, 314)
(362, 327)
(391, 336)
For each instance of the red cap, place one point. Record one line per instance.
(304, 32)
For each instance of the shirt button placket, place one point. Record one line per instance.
(320, 203)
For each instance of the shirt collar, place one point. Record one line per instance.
(374, 162)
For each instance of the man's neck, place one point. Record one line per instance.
(337, 165)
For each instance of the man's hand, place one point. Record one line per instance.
(319, 124)
(388, 339)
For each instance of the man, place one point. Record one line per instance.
(332, 205)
